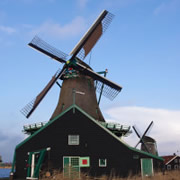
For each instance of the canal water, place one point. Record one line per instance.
(4, 172)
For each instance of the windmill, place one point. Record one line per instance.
(77, 76)
(75, 138)
(148, 144)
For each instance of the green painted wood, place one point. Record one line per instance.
(39, 163)
(147, 167)
(14, 162)
(87, 162)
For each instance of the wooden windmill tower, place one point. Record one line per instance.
(77, 76)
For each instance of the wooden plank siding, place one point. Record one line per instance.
(96, 142)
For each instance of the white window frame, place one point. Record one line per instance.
(176, 166)
(102, 165)
(168, 167)
(73, 140)
(176, 160)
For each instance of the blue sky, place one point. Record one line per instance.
(141, 50)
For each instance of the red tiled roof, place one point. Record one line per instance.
(168, 158)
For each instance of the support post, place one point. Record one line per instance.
(104, 72)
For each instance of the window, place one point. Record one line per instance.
(102, 162)
(175, 166)
(74, 161)
(169, 167)
(71, 168)
(176, 160)
(73, 139)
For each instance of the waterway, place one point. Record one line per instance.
(4, 172)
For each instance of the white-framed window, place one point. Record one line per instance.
(176, 160)
(168, 167)
(102, 162)
(175, 166)
(73, 139)
(74, 161)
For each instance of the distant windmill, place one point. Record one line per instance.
(148, 144)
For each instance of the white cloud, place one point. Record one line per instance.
(169, 6)
(50, 28)
(8, 142)
(82, 3)
(166, 129)
(7, 29)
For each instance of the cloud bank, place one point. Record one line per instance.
(50, 28)
(166, 129)
(8, 142)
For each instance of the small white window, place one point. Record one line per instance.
(169, 167)
(175, 166)
(102, 162)
(176, 160)
(73, 139)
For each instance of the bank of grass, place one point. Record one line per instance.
(168, 175)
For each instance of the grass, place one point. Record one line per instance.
(168, 175)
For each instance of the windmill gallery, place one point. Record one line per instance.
(77, 139)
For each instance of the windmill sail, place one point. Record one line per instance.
(110, 89)
(47, 49)
(106, 90)
(30, 107)
(141, 138)
(88, 41)
(148, 128)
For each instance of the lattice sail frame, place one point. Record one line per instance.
(30, 107)
(104, 25)
(47, 49)
(107, 91)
